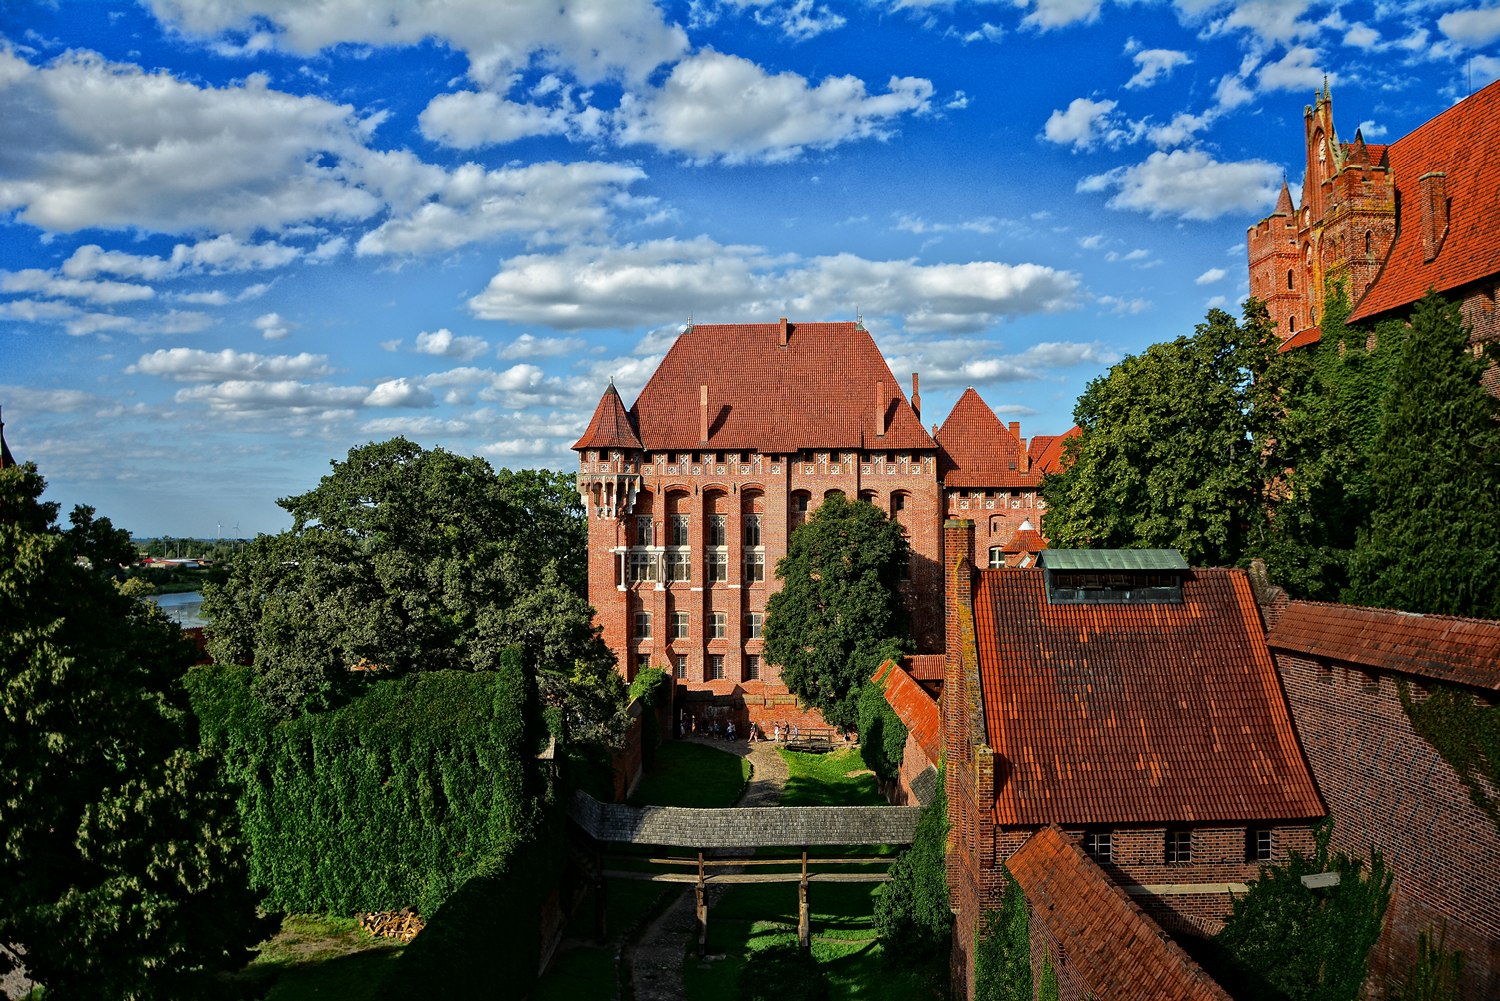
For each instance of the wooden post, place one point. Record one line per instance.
(702, 910)
(601, 908)
(804, 922)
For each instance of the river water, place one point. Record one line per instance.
(185, 609)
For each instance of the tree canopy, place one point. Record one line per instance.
(1173, 449)
(121, 870)
(407, 559)
(836, 618)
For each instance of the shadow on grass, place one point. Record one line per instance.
(692, 775)
(839, 778)
(354, 977)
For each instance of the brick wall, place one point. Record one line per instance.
(997, 515)
(1387, 788)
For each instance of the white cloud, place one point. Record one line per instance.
(443, 211)
(1370, 130)
(469, 119)
(1047, 14)
(594, 40)
(529, 346)
(1154, 65)
(399, 393)
(1362, 36)
(776, 116)
(1085, 124)
(798, 20)
(414, 426)
(1092, 242)
(86, 143)
(640, 284)
(80, 322)
(1473, 29)
(1188, 184)
(27, 399)
(960, 361)
(1267, 20)
(1210, 276)
(1300, 69)
(223, 254)
(272, 327)
(444, 344)
(1123, 307)
(194, 365)
(248, 396)
(48, 283)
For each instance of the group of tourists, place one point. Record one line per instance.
(714, 727)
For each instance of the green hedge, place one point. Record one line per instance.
(396, 799)
(882, 735)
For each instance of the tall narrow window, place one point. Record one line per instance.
(719, 625)
(752, 529)
(643, 625)
(679, 668)
(718, 529)
(716, 667)
(755, 567)
(753, 624)
(752, 667)
(797, 511)
(679, 625)
(679, 530)
(645, 531)
(718, 567)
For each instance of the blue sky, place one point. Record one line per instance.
(238, 237)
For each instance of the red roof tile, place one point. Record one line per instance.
(1443, 647)
(1456, 142)
(610, 426)
(978, 450)
(1026, 540)
(1112, 948)
(1047, 458)
(917, 709)
(1302, 338)
(819, 391)
(1135, 713)
(924, 666)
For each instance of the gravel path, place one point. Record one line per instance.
(654, 960)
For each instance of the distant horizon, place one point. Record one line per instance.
(239, 238)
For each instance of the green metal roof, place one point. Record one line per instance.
(1103, 560)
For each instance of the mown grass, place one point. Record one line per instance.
(692, 775)
(838, 778)
(315, 956)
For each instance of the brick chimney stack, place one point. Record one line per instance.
(958, 581)
(1432, 189)
(916, 397)
(783, 331)
(879, 410)
(703, 414)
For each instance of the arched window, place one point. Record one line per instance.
(797, 508)
(1288, 277)
(1369, 243)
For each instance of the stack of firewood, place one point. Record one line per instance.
(401, 925)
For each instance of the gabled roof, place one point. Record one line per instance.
(1302, 338)
(610, 427)
(1458, 143)
(1443, 647)
(917, 710)
(819, 391)
(924, 666)
(1113, 949)
(977, 450)
(1117, 714)
(1047, 450)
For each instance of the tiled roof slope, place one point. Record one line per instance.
(1302, 338)
(1113, 949)
(1047, 451)
(817, 392)
(1026, 540)
(1135, 713)
(917, 710)
(610, 426)
(977, 450)
(924, 666)
(1457, 142)
(1443, 647)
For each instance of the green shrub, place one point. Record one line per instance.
(1435, 975)
(1002, 950)
(882, 735)
(782, 972)
(911, 910)
(396, 799)
(652, 686)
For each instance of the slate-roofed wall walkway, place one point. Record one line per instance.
(787, 826)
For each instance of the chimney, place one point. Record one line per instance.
(1015, 430)
(958, 582)
(916, 397)
(1432, 189)
(783, 331)
(703, 414)
(879, 410)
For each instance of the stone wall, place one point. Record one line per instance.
(787, 826)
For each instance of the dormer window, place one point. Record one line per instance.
(1113, 576)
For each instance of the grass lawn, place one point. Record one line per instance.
(695, 775)
(314, 956)
(838, 778)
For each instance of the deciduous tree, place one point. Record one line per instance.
(121, 871)
(835, 618)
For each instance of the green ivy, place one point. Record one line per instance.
(882, 735)
(912, 914)
(1465, 733)
(1002, 950)
(1047, 990)
(652, 687)
(1435, 975)
(1286, 942)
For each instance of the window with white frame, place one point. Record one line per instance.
(643, 625)
(642, 567)
(678, 530)
(679, 667)
(754, 622)
(1099, 846)
(679, 625)
(1259, 844)
(718, 530)
(718, 567)
(752, 667)
(997, 556)
(719, 625)
(645, 531)
(716, 667)
(755, 567)
(679, 567)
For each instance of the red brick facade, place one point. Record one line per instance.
(1387, 788)
(1389, 222)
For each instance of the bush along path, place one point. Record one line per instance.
(653, 961)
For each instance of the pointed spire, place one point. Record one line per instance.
(1284, 200)
(6, 459)
(610, 426)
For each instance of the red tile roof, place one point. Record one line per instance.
(1046, 457)
(924, 666)
(1026, 540)
(917, 709)
(1456, 142)
(819, 391)
(978, 450)
(1302, 338)
(610, 426)
(1135, 713)
(1443, 647)
(1112, 948)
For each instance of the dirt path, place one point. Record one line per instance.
(654, 960)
